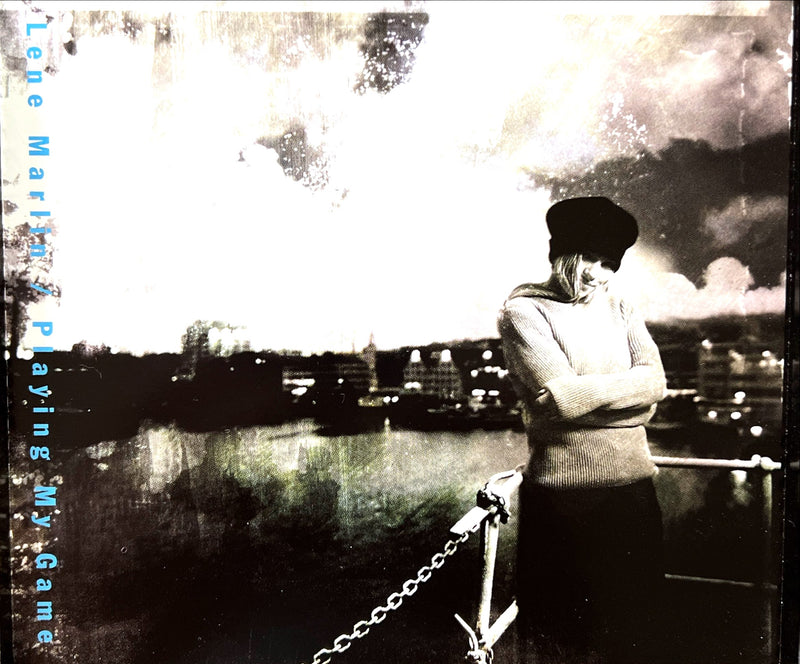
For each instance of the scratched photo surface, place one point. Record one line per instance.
(271, 241)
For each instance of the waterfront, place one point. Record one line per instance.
(262, 544)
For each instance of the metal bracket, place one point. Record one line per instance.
(487, 499)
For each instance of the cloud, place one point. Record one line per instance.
(721, 80)
(633, 82)
(727, 290)
(696, 204)
(732, 224)
(423, 226)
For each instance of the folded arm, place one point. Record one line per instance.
(538, 362)
(630, 417)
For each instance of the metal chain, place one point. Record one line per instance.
(393, 602)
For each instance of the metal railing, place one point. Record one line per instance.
(763, 469)
(763, 466)
(492, 510)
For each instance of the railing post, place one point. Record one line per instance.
(489, 535)
(763, 471)
(489, 513)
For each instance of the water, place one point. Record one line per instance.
(262, 544)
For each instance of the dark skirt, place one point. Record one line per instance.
(590, 574)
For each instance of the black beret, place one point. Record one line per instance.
(591, 225)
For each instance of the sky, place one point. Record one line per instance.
(270, 171)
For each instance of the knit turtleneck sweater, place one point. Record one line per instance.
(605, 376)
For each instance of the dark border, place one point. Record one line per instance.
(790, 582)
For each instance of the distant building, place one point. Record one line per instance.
(204, 340)
(326, 372)
(680, 365)
(488, 378)
(370, 356)
(740, 385)
(346, 370)
(438, 376)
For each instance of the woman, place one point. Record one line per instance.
(589, 376)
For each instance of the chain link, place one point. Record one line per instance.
(393, 601)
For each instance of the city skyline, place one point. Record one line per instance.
(417, 200)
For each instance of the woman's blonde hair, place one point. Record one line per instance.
(566, 277)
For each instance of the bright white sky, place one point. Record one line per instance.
(425, 224)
